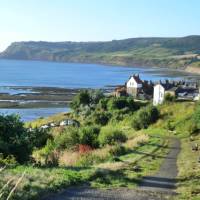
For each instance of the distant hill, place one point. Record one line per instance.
(177, 52)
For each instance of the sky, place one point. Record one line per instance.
(96, 20)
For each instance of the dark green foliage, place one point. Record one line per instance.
(14, 138)
(169, 98)
(38, 137)
(82, 98)
(18, 141)
(96, 96)
(86, 99)
(110, 135)
(8, 161)
(71, 137)
(121, 103)
(101, 118)
(170, 125)
(118, 150)
(89, 136)
(144, 117)
(68, 139)
(102, 105)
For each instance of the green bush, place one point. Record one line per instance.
(67, 139)
(170, 125)
(102, 105)
(82, 98)
(46, 155)
(18, 141)
(144, 117)
(89, 136)
(110, 135)
(120, 103)
(169, 98)
(86, 98)
(96, 96)
(118, 150)
(8, 161)
(101, 118)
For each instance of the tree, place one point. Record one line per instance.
(16, 140)
(82, 98)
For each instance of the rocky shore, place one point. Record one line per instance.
(36, 97)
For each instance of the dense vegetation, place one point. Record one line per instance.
(102, 151)
(175, 52)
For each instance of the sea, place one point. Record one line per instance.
(70, 75)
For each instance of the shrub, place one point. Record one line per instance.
(144, 117)
(18, 141)
(110, 135)
(117, 150)
(8, 161)
(121, 103)
(169, 98)
(47, 155)
(89, 135)
(96, 96)
(102, 105)
(38, 137)
(82, 98)
(101, 118)
(170, 125)
(67, 139)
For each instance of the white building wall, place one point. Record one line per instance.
(133, 84)
(158, 94)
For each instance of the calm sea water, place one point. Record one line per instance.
(31, 114)
(68, 75)
(37, 73)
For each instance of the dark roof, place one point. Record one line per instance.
(187, 89)
(137, 78)
(167, 86)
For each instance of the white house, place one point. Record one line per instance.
(134, 85)
(158, 94)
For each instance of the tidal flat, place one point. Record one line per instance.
(35, 97)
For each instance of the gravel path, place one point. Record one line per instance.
(157, 187)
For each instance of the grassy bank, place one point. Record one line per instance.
(144, 151)
(189, 170)
(118, 142)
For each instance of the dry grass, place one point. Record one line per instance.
(68, 158)
(134, 142)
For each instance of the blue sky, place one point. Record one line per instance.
(96, 20)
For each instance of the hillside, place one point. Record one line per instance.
(120, 147)
(168, 52)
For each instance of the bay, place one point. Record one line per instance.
(70, 75)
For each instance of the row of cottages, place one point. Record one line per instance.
(136, 88)
(139, 89)
(180, 89)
